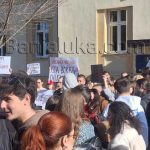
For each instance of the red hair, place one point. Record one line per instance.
(46, 134)
(29, 142)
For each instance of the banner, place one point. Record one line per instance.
(33, 68)
(5, 64)
(59, 66)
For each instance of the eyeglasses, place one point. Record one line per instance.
(14, 81)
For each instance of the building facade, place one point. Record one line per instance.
(122, 32)
(112, 33)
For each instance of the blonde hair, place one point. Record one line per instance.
(137, 77)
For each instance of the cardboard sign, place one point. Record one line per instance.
(33, 68)
(5, 64)
(59, 66)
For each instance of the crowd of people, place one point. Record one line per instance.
(75, 114)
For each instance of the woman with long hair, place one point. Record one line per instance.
(54, 131)
(124, 128)
(72, 105)
(92, 107)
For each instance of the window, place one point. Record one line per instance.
(42, 39)
(117, 30)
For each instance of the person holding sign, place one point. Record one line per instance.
(39, 84)
(81, 79)
(43, 94)
(59, 88)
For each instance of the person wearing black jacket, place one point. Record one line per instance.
(17, 96)
(145, 102)
(7, 133)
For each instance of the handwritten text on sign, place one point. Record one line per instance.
(61, 66)
(33, 68)
(5, 64)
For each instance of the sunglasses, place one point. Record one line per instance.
(15, 81)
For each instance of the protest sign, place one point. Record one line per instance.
(5, 64)
(42, 97)
(59, 66)
(33, 68)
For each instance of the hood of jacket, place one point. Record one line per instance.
(134, 102)
(69, 81)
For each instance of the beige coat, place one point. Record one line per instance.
(127, 139)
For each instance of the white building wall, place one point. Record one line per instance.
(77, 19)
(17, 49)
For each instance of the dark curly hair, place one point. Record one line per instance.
(119, 114)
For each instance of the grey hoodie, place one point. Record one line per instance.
(69, 81)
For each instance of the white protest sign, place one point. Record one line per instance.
(33, 68)
(148, 64)
(42, 97)
(59, 66)
(5, 64)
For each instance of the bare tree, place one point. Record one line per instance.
(15, 15)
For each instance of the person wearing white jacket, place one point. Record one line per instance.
(122, 86)
(134, 103)
(124, 128)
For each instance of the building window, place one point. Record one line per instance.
(117, 30)
(42, 39)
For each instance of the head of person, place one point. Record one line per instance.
(60, 83)
(146, 72)
(39, 83)
(124, 74)
(132, 87)
(94, 103)
(147, 87)
(94, 95)
(69, 81)
(90, 84)
(81, 79)
(54, 131)
(98, 87)
(73, 106)
(107, 75)
(51, 85)
(52, 102)
(17, 95)
(141, 84)
(120, 113)
(122, 85)
(85, 91)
